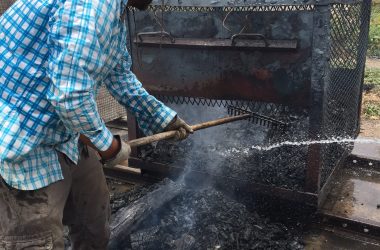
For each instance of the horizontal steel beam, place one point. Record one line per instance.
(217, 43)
(245, 3)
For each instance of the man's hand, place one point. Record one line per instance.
(117, 153)
(183, 128)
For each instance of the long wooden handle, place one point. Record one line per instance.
(170, 134)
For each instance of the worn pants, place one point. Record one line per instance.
(35, 219)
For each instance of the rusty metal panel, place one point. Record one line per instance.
(187, 56)
(254, 74)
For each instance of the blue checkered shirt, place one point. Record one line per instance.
(54, 56)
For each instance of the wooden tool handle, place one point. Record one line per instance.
(170, 134)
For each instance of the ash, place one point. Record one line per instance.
(208, 219)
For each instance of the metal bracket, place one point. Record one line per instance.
(248, 36)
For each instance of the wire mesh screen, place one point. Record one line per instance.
(348, 24)
(109, 108)
(5, 4)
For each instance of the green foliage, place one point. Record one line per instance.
(372, 110)
(374, 32)
(372, 76)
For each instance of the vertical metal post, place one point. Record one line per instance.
(319, 79)
(362, 49)
(133, 132)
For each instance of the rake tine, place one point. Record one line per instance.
(257, 118)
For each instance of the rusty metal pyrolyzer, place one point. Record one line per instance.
(274, 57)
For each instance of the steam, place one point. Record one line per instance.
(213, 146)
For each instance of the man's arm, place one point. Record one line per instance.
(75, 60)
(152, 115)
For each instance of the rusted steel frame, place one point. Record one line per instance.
(217, 43)
(363, 162)
(353, 224)
(258, 83)
(127, 176)
(357, 224)
(364, 238)
(319, 78)
(133, 132)
(245, 3)
(364, 30)
(325, 190)
(173, 171)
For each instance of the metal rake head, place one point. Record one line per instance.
(257, 118)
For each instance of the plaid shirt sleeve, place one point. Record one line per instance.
(74, 65)
(152, 115)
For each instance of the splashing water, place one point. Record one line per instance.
(306, 143)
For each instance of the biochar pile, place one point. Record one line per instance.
(207, 219)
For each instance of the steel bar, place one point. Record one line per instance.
(170, 134)
(245, 3)
(129, 177)
(320, 57)
(217, 43)
(358, 225)
(363, 46)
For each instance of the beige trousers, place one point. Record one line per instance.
(35, 219)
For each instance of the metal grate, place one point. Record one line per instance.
(262, 107)
(342, 94)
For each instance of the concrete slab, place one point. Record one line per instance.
(367, 150)
(355, 194)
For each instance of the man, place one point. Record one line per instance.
(54, 54)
